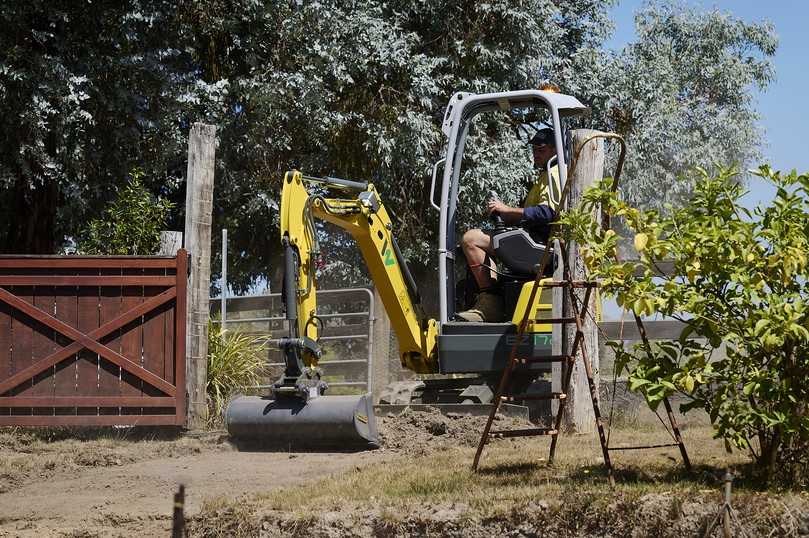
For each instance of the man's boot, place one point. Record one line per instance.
(488, 308)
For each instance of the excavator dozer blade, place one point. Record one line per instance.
(322, 423)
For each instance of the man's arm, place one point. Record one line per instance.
(518, 216)
(510, 215)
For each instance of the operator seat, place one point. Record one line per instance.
(519, 256)
(519, 253)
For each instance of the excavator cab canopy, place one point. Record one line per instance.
(460, 112)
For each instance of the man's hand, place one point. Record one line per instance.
(498, 206)
(510, 215)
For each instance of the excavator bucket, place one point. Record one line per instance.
(341, 423)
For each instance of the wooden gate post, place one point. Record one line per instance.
(170, 243)
(198, 210)
(579, 409)
(381, 347)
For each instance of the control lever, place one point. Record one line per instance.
(495, 217)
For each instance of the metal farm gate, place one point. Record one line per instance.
(346, 318)
(92, 341)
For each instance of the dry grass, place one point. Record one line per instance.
(28, 455)
(439, 494)
(517, 471)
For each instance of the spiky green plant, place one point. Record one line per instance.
(235, 360)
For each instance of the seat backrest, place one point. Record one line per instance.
(517, 251)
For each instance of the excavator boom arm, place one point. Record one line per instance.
(364, 216)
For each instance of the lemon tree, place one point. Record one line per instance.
(739, 279)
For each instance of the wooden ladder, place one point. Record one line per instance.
(578, 350)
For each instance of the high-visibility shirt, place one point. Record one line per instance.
(539, 190)
(539, 211)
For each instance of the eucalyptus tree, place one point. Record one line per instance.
(682, 94)
(358, 90)
(354, 89)
(86, 95)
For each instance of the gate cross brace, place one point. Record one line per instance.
(89, 341)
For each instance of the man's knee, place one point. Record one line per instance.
(474, 238)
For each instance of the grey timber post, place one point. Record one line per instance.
(198, 210)
(170, 243)
(579, 408)
(381, 347)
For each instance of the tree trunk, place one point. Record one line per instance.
(32, 219)
(769, 455)
(579, 416)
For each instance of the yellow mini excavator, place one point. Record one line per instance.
(297, 413)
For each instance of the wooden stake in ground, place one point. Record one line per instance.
(198, 210)
(578, 417)
(178, 514)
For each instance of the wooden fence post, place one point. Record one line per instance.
(579, 410)
(198, 210)
(170, 243)
(381, 347)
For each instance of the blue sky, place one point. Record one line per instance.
(783, 108)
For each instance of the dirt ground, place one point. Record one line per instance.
(110, 485)
(121, 483)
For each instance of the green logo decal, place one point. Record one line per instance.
(386, 252)
(543, 339)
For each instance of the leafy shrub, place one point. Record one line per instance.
(130, 225)
(235, 360)
(740, 278)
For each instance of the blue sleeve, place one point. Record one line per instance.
(538, 215)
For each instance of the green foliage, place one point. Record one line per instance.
(354, 90)
(130, 225)
(682, 96)
(235, 361)
(369, 82)
(739, 279)
(358, 91)
(87, 92)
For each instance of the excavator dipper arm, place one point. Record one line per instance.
(297, 413)
(364, 216)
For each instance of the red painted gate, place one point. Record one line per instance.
(91, 341)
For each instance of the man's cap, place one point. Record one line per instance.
(542, 137)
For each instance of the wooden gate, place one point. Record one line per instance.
(92, 341)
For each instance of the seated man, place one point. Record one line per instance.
(535, 216)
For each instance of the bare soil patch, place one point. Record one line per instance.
(416, 433)
(118, 483)
(72, 483)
